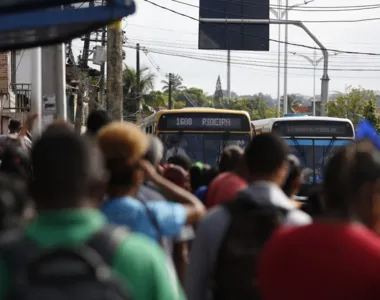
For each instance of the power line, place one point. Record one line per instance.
(305, 21)
(265, 38)
(253, 63)
(244, 66)
(308, 8)
(175, 45)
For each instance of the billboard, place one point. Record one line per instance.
(253, 37)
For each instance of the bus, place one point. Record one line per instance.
(201, 133)
(312, 139)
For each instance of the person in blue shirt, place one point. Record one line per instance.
(124, 146)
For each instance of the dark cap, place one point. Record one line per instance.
(181, 160)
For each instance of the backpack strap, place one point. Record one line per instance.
(154, 221)
(107, 240)
(17, 250)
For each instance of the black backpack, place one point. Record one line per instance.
(234, 275)
(74, 273)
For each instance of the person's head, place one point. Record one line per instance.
(209, 173)
(293, 181)
(14, 126)
(68, 171)
(13, 201)
(265, 159)
(196, 176)
(155, 151)
(124, 146)
(351, 186)
(58, 126)
(96, 120)
(15, 162)
(176, 174)
(181, 160)
(230, 158)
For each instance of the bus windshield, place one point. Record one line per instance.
(205, 147)
(314, 154)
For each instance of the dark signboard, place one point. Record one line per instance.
(199, 121)
(313, 128)
(254, 37)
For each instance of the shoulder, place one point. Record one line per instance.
(138, 250)
(119, 210)
(216, 220)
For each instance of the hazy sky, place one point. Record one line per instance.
(166, 32)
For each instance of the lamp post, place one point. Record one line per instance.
(315, 62)
(279, 13)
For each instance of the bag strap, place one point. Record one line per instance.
(153, 221)
(107, 240)
(18, 250)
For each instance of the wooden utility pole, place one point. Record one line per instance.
(102, 70)
(138, 92)
(115, 71)
(170, 91)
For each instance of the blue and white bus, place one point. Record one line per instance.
(312, 139)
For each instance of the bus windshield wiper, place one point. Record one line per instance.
(326, 151)
(300, 150)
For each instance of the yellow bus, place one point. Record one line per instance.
(201, 133)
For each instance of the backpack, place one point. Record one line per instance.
(251, 225)
(65, 273)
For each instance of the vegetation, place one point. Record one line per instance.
(357, 104)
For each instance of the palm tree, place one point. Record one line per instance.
(176, 83)
(130, 87)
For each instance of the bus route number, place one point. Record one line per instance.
(184, 121)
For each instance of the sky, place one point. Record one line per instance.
(159, 30)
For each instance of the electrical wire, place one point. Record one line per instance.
(304, 7)
(19, 62)
(270, 71)
(264, 38)
(253, 63)
(175, 45)
(242, 15)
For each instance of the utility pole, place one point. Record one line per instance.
(102, 69)
(14, 69)
(279, 64)
(286, 60)
(170, 91)
(138, 92)
(115, 71)
(228, 75)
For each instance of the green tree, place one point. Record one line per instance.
(350, 105)
(192, 96)
(130, 87)
(176, 80)
(369, 113)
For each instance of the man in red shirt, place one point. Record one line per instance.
(230, 180)
(337, 257)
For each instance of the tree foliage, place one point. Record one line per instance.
(355, 105)
(176, 80)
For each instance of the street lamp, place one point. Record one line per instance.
(314, 61)
(279, 14)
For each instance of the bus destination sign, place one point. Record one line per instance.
(310, 128)
(202, 122)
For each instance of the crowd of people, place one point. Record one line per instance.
(100, 216)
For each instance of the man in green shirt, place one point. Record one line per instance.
(67, 186)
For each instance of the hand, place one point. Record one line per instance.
(150, 171)
(28, 125)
